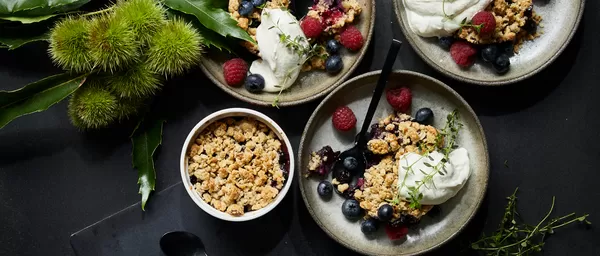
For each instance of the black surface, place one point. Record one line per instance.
(55, 180)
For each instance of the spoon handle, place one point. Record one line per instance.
(385, 73)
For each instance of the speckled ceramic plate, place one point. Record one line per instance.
(309, 85)
(560, 21)
(431, 232)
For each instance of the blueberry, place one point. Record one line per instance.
(350, 163)
(334, 64)
(530, 26)
(502, 63)
(342, 175)
(325, 189)
(446, 42)
(369, 226)
(424, 116)
(254, 83)
(528, 12)
(333, 46)
(405, 220)
(351, 209)
(258, 3)
(385, 212)
(506, 47)
(246, 8)
(489, 52)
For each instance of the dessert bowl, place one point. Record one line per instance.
(432, 231)
(231, 117)
(309, 85)
(559, 22)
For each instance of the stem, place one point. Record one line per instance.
(98, 12)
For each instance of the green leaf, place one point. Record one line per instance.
(37, 96)
(35, 8)
(14, 42)
(215, 19)
(146, 138)
(209, 37)
(28, 20)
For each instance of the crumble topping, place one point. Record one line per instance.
(513, 22)
(234, 165)
(380, 187)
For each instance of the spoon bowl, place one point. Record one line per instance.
(181, 243)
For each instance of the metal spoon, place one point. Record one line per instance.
(181, 243)
(360, 142)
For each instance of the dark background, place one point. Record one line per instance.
(55, 180)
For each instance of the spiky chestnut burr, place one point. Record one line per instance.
(92, 106)
(144, 16)
(175, 48)
(138, 81)
(113, 43)
(69, 44)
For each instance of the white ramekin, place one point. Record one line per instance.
(221, 114)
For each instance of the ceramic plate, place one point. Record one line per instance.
(560, 21)
(432, 231)
(310, 85)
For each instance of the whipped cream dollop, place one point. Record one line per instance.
(429, 18)
(279, 65)
(446, 186)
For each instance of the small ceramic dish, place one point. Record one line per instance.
(310, 85)
(560, 20)
(432, 231)
(235, 113)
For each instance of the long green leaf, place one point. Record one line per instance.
(28, 20)
(37, 97)
(146, 138)
(211, 17)
(15, 41)
(34, 8)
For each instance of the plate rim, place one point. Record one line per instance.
(402, 72)
(468, 80)
(343, 78)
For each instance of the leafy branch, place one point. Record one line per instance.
(512, 238)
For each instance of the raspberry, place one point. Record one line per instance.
(343, 119)
(399, 99)
(487, 22)
(395, 233)
(235, 71)
(311, 27)
(351, 38)
(462, 53)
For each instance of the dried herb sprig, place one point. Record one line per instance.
(513, 238)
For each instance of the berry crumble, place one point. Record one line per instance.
(237, 165)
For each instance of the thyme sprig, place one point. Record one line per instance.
(513, 238)
(299, 45)
(446, 139)
(464, 23)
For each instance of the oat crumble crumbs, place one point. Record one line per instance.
(511, 19)
(236, 165)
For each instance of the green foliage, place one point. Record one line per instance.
(136, 82)
(209, 13)
(144, 16)
(113, 43)
(174, 48)
(69, 45)
(146, 138)
(515, 238)
(37, 97)
(93, 106)
(36, 8)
